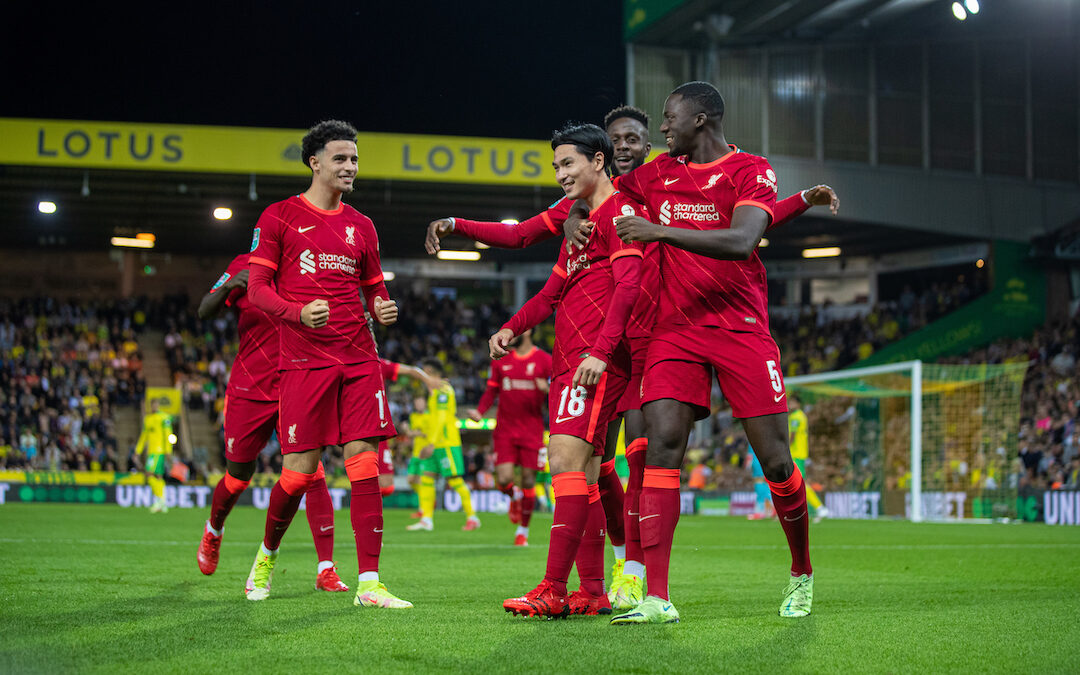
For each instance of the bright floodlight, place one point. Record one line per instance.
(46, 207)
(972, 6)
(980, 263)
(222, 213)
(958, 11)
(388, 275)
(508, 221)
(481, 245)
(826, 252)
(172, 439)
(131, 242)
(764, 243)
(471, 256)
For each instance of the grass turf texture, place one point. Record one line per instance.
(101, 588)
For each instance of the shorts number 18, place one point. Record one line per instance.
(572, 401)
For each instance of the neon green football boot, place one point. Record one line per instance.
(262, 573)
(374, 594)
(651, 610)
(798, 597)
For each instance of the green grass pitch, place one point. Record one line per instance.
(106, 589)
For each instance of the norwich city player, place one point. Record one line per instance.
(799, 438)
(154, 439)
(447, 458)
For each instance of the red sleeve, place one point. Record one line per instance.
(541, 305)
(788, 209)
(238, 263)
(627, 271)
(519, 235)
(263, 295)
(490, 394)
(370, 269)
(756, 185)
(266, 239)
(389, 369)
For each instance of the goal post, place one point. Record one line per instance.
(915, 440)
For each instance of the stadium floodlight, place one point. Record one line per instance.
(223, 213)
(480, 245)
(509, 221)
(764, 243)
(387, 275)
(146, 236)
(172, 439)
(46, 207)
(826, 252)
(972, 6)
(469, 256)
(131, 242)
(958, 11)
(980, 263)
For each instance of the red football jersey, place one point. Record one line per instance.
(588, 287)
(254, 373)
(521, 403)
(319, 254)
(697, 290)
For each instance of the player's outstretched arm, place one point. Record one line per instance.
(491, 393)
(735, 243)
(263, 296)
(213, 302)
(501, 235)
(535, 310)
(794, 206)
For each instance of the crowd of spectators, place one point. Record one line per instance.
(64, 368)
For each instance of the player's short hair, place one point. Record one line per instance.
(627, 111)
(705, 96)
(589, 139)
(322, 133)
(434, 364)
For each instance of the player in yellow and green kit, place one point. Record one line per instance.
(154, 439)
(447, 458)
(799, 438)
(419, 423)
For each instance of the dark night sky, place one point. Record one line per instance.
(504, 69)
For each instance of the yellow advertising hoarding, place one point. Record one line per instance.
(163, 147)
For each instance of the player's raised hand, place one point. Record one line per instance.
(315, 314)
(385, 311)
(436, 231)
(822, 195)
(636, 228)
(474, 414)
(588, 372)
(239, 281)
(497, 345)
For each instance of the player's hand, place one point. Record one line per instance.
(497, 345)
(428, 451)
(474, 414)
(315, 314)
(822, 195)
(588, 372)
(636, 228)
(577, 227)
(437, 230)
(385, 311)
(239, 281)
(543, 385)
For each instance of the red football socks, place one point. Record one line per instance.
(789, 500)
(590, 554)
(611, 496)
(320, 516)
(659, 515)
(635, 459)
(528, 503)
(365, 513)
(226, 493)
(284, 500)
(570, 517)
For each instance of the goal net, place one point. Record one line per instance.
(914, 440)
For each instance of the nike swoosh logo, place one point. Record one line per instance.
(377, 530)
(382, 425)
(324, 528)
(665, 608)
(633, 513)
(791, 520)
(652, 515)
(560, 420)
(669, 182)
(777, 399)
(302, 230)
(558, 525)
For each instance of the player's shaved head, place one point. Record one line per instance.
(589, 139)
(704, 97)
(322, 133)
(627, 111)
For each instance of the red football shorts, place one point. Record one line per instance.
(518, 449)
(631, 398)
(386, 459)
(333, 406)
(682, 359)
(585, 411)
(248, 425)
